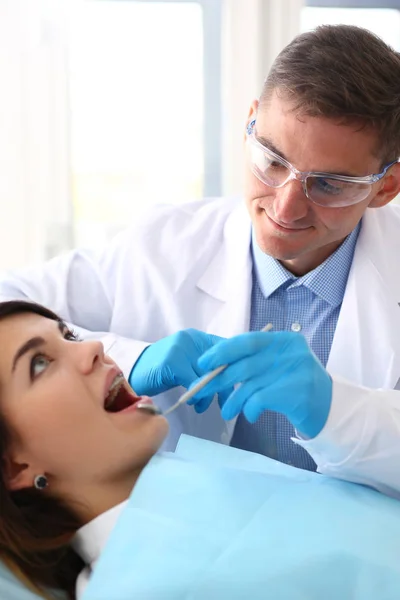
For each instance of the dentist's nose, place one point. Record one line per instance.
(89, 354)
(290, 203)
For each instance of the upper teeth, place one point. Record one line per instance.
(112, 393)
(119, 378)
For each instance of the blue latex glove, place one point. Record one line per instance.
(277, 371)
(172, 361)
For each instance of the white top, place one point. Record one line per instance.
(90, 540)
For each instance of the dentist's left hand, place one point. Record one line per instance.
(277, 371)
(172, 361)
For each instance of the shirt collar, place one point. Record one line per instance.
(90, 539)
(328, 280)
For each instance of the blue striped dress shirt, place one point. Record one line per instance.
(309, 305)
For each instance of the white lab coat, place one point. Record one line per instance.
(190, 266)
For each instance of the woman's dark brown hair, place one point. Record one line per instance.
(35, 529)
(346, 73)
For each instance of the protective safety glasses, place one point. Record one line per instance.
(324, 189)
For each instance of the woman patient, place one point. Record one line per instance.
(73, 445)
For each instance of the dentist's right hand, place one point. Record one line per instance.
(277, 371)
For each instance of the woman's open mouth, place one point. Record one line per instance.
(120, 397)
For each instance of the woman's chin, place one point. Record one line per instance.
(157, 429)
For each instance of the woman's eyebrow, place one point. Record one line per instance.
(29, 345)
(33, 343)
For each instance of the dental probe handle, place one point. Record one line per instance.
(203, 382)
(199, 386)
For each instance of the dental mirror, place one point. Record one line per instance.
(150, 408)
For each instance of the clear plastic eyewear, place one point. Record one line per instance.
(324, 189)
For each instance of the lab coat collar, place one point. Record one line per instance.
(366, 344)
(228, 277)
(232, 259)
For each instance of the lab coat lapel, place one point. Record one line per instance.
(366, 345)
(228, 278)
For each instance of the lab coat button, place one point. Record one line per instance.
(296, 327)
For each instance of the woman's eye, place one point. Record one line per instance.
(39, 363)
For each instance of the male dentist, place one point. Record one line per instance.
(314, 249)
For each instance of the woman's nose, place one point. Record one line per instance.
(290, 203)
(89, 355)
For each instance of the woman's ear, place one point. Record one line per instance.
(389, 189)
(17, 476)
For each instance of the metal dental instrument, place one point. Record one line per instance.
(152, 408)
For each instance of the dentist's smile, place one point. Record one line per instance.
(284, 228)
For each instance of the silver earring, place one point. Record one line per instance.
(40, 482)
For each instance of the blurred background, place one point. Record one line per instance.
(110, 106)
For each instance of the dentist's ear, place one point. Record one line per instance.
(389, 188)
(251, 116)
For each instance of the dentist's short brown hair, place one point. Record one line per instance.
(344, 73)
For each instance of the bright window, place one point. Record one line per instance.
(136, 97)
